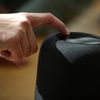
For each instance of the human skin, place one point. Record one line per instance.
(17, 39)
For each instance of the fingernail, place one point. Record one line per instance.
(67, 31)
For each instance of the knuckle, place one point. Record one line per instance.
(49, 15)
(20, 31)
(24, 22)
(14, 41)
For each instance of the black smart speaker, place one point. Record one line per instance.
(69, 67)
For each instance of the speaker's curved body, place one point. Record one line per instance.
(69, 68)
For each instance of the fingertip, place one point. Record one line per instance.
(67, 31)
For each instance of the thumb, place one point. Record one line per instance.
(5, 54)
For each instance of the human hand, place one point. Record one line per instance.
(17, 39)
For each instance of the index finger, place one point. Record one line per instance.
(39, 19)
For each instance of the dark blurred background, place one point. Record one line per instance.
(65, 10)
